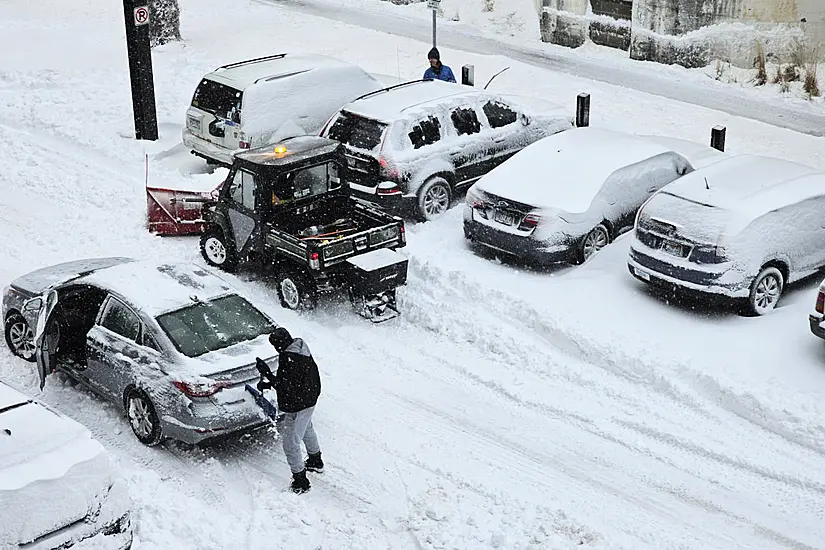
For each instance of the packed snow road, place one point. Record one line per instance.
(505, 408)
(650, 78)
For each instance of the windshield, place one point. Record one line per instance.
(361, 133)
(209, 326)
(216, 98)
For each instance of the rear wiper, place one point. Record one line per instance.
(10, 407)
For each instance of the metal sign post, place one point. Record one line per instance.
(434, 5)
(136, 13)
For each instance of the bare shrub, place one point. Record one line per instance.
(761, 71)
(488, 5)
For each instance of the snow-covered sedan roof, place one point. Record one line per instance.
(750, 185)
(567, 169)
(246, 73)
(36, 282)
(389, 104)
(157, 287)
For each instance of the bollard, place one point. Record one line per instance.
(468, 76)
(583, 110)
(717, 138)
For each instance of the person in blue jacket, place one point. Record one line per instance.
(437, 71)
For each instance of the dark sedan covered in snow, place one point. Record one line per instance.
(567, 196)
(173, 345)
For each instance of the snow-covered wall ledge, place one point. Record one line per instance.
(692, 33)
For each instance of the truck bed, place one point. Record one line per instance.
(337, 227)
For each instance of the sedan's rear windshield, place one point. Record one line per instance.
(216, 98)
(356, 131)
(209, 326)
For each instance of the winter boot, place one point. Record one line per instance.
(313, 463)
(300, 483)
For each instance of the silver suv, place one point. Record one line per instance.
(415, 144)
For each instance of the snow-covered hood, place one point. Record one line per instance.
(46, 458)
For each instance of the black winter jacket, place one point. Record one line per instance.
(297, 381)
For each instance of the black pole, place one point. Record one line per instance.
(583, 110)
(136, 14)
(717, 138)
(468, 75)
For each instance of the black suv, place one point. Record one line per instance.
(416, 143)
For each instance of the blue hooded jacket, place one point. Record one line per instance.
(446, 74)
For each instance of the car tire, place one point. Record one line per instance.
(20, 337)
(295, 290)
(596, 239)
(765, 292)
(434, 198)
(142, 417)
(217, 251)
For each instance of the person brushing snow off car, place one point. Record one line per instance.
(437, 71)
(297, 385)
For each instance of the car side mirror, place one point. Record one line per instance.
(525, 119)
(33, 305)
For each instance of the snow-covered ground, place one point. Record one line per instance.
(506, 408)
(456, 38)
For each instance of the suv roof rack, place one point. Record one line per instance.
(394, 86)
(249, 61)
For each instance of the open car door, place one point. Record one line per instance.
(45, 342)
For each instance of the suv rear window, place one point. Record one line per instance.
(356, 131)
(216, 98)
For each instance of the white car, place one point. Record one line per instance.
(58, 488)
(742, 228)
(256, 102)
(567, 196)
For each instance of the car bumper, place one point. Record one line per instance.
(205, 148)
(651, 269)
(205, 420)
(521, 246)
(817, 322)
(395, 202)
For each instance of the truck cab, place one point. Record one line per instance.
(287, 208)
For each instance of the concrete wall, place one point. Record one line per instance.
(691, 32)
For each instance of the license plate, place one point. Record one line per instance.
(673, 248)
(504, 217)
(641, 274)
(194, 123)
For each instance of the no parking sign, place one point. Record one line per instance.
(141, 15)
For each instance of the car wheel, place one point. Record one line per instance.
(217, 252)
(433, 198)
(143, 418)
(765, 291)
(595, 240)
(296, 291)
(20, 337)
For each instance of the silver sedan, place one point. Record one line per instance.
(173, 345)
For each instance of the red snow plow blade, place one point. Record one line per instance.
(174, 211)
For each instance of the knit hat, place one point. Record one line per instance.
(280, 338)
(434, 54)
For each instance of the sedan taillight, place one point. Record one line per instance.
(200, 389)
(820, 302)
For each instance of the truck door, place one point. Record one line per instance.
(241, 210)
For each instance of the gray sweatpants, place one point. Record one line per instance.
(294, 428)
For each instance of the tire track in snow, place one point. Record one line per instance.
(584, 348)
